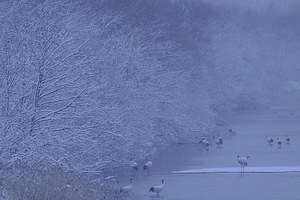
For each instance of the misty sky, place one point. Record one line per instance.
(259, 5)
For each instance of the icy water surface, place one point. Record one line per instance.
(252, 126)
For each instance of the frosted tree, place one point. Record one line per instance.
(236, 75)
(47, 58)
(82, 90)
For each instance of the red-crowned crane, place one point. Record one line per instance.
(287, 139)
(126, 189)
(134, 167)
(205, 142)
(218, 141)
(243, 162)
(269, 140)
(147, 166)
(158, 188)
(232, 132)
(279, 143)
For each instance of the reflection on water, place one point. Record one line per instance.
(252, 127)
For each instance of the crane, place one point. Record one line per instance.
(243, 162)
(279, 143)
(218, 141)
(134, 166)
(269, 140)
(287, 139)
(147, 166)
(157, 188)
(126, 188)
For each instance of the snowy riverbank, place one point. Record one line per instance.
(270, 169)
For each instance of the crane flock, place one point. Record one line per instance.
(243, 161)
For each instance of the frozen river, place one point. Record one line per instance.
(252, 127)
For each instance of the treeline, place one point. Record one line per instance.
(88, 85)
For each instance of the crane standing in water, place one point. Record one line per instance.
(287, 139)
(243, 162)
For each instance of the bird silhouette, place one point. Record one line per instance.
(218, 141)
(269, 140)
(157, 188)
(205, 143)
(148, 166)
(287, 139)
(243, 162)
(279, 143)
(134, 167)
(127, 188)
(232, 132)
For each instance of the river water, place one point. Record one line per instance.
(252, 127)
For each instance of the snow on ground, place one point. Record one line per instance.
(270, 169)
